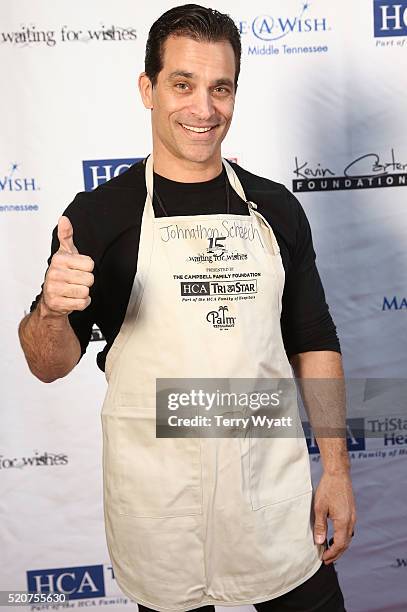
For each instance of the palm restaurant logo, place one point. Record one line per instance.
(270, 33)
(368, 171)
(221, 319)
(390, 18)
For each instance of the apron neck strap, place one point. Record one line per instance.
(149, 176)
(233, 180)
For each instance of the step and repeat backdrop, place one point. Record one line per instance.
(321, 107)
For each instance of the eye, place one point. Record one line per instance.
(224, 91)
(181, 86)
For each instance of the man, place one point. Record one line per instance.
(195, 522)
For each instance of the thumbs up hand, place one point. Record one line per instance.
(69, 276)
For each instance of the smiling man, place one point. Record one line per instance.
(193, 523)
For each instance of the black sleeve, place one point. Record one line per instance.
(80, 321)
(306, 322)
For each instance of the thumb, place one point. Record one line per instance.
(65, 236)
(320, 526)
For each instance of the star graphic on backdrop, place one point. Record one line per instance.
(13, 168)
(305, 6)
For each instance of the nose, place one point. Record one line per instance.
(202, 104)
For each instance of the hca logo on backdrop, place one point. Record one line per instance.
(78, 583)
(390, 18)
(355, 436)
(98, 171)
(75, 582)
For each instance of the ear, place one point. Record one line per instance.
(146, 90)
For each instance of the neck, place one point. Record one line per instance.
(184, 170)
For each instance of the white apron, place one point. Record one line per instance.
(198, 521)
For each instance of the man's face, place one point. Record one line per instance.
(193, 99)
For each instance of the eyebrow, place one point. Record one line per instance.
(181, 73)
(191, 75)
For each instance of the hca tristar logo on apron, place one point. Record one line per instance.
(194, 521)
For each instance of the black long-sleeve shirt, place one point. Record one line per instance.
(107, 223)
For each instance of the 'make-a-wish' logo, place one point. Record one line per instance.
(368, 171)
(220, 319)
(268, 34)
(98, 171)
(14, 180)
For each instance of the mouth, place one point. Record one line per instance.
(201, 131)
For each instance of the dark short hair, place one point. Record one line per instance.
(193, 21)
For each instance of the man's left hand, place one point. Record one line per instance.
(334, 500)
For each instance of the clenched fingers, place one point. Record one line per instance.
(75, 277)
(343, 531)
(68, 290)
(73, 262)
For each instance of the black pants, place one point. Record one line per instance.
(320, 593)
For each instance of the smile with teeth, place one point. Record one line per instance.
(197, 129)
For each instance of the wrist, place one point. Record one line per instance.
(46, 313)
(341, 468)
(334, 456)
